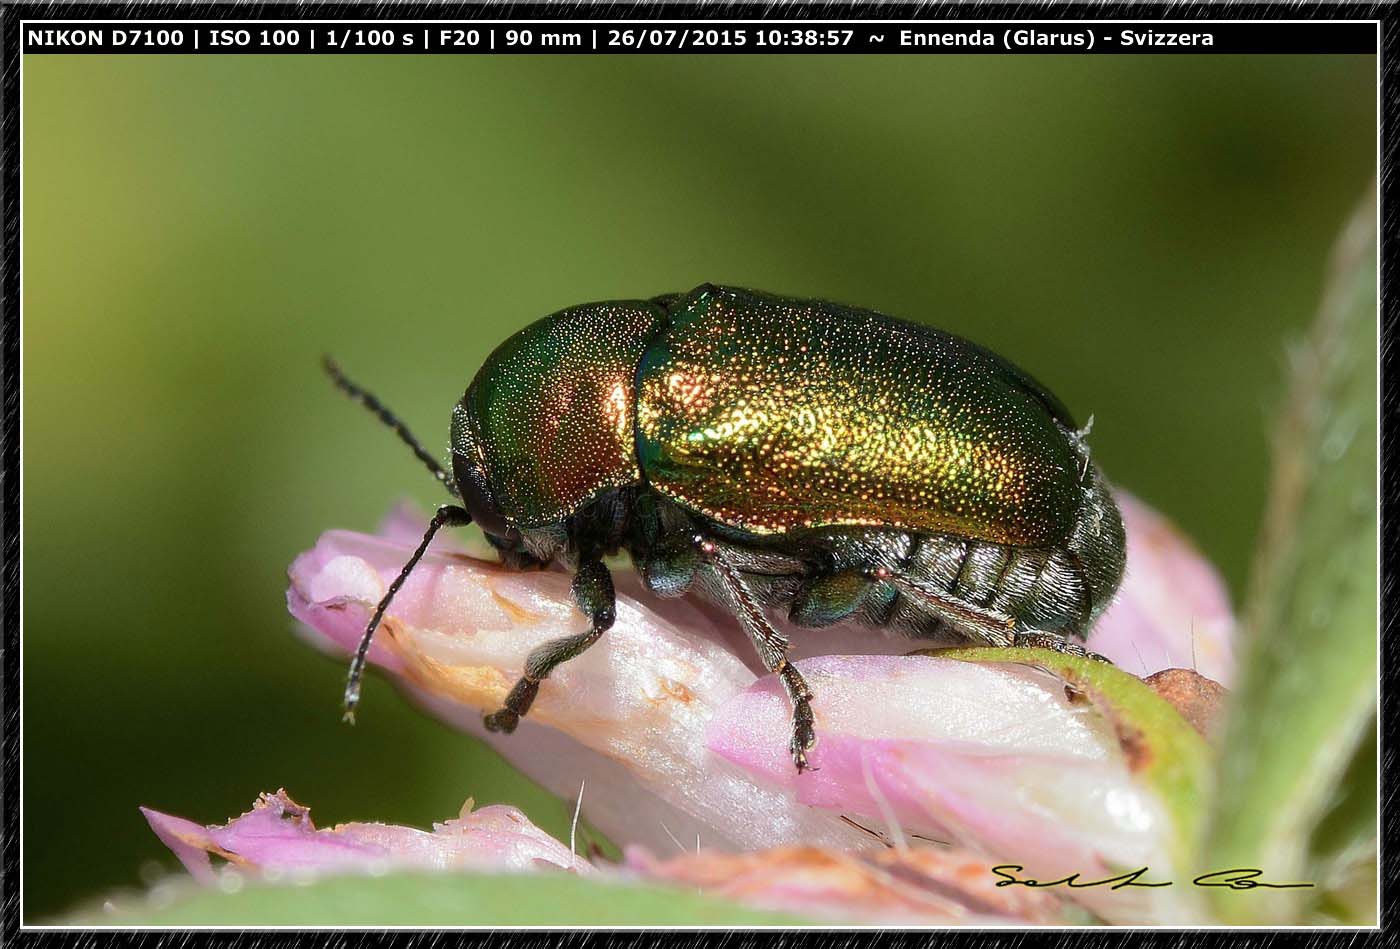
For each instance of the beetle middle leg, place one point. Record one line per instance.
(593, 591)
(772, 648)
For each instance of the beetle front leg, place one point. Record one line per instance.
(593, 591)
(772, 648)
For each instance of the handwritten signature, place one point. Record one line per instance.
(1240, 878)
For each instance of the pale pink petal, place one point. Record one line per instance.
(923, 885)
(278, 837)
(1172, 610)
(920, 885)
(186, 840)
(632, 710)
(995, 758)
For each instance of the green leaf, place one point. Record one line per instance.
(1344, 845)
(427, 899)
(1307, 692)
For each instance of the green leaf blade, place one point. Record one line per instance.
(431, 899)
(1307, 693)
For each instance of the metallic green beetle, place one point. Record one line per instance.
(770, 453)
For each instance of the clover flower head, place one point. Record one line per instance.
(930, 768)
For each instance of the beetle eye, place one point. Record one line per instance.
(480, 502)
(472, 484)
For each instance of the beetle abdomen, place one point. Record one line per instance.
(776, 416)
(1040, 589)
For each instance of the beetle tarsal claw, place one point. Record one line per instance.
(350, 702)
(502, 720)
(1039, 640)
(804, 738)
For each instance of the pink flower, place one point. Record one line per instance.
(954, 763)
(276, 840)
(277, 837)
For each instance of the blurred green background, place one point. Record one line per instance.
(1145, 234)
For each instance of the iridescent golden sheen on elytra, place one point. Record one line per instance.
(773, 415)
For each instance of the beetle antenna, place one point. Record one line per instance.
(382, 413)
(446, 515)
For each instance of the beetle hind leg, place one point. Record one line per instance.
(987, 623)
(593, 591)
(992, 626)
(1036, 639)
